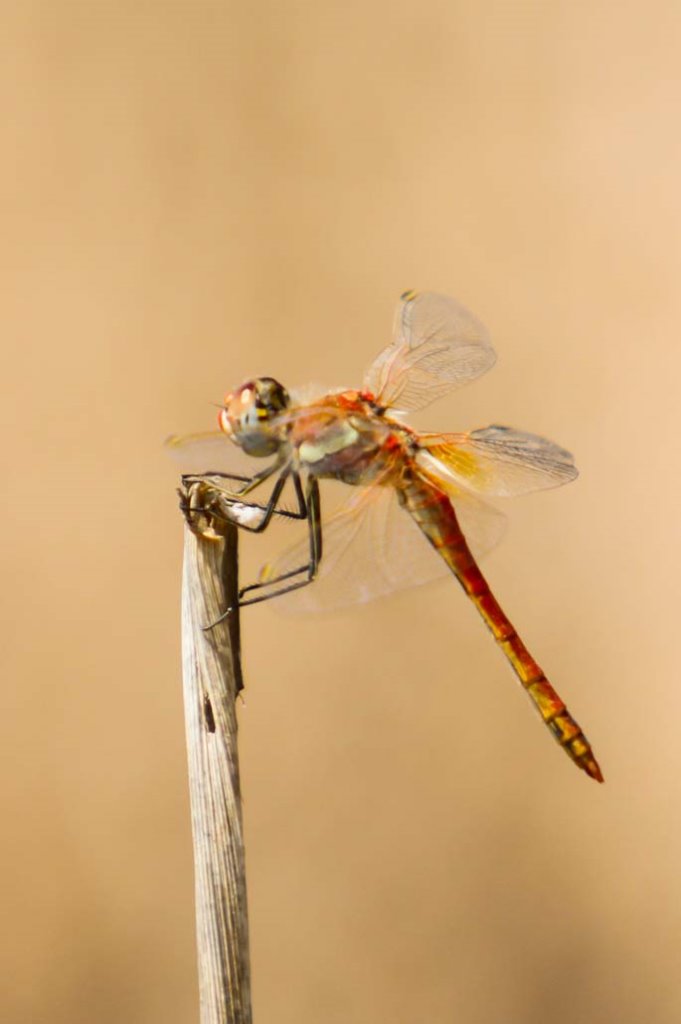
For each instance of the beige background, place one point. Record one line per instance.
(197, 191)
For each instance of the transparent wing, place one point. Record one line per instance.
(208, 452)
(482, 524)
(500, 461)
(372, 547)
(437, 346)
(312, 392)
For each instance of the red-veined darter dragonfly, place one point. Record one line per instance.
(401, 479)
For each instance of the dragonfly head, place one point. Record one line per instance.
(249, 413)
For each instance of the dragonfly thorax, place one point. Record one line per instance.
(248, 415)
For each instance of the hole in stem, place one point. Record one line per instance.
(208, 715)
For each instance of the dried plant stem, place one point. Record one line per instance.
(212, 679)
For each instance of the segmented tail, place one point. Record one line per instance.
(433, 512)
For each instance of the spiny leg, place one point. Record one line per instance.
(272, 504)
(311, 502)
(310, 509)
(249, 482)
(227, 506)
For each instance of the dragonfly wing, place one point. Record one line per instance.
(482, 524)
(438, 345)
(209, 452)
(500, 461)
(371, 548)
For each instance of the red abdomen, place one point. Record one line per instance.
(433, 511)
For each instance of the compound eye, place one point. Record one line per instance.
(271, 395)
(224, 422)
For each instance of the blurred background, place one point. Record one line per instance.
(197, 191)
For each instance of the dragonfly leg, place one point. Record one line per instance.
(311, 501)
(227, 506)
(192, 477)
(309, 505)
(203, 500)
(271, 506)
(258, 478)
(248, 483)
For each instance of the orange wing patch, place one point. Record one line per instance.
(500, 461)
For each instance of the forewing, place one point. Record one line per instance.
(210, 452)
(500, 461)
(438, 345)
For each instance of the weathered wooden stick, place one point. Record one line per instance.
(212, 679)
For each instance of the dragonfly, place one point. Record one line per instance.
(404, 483)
